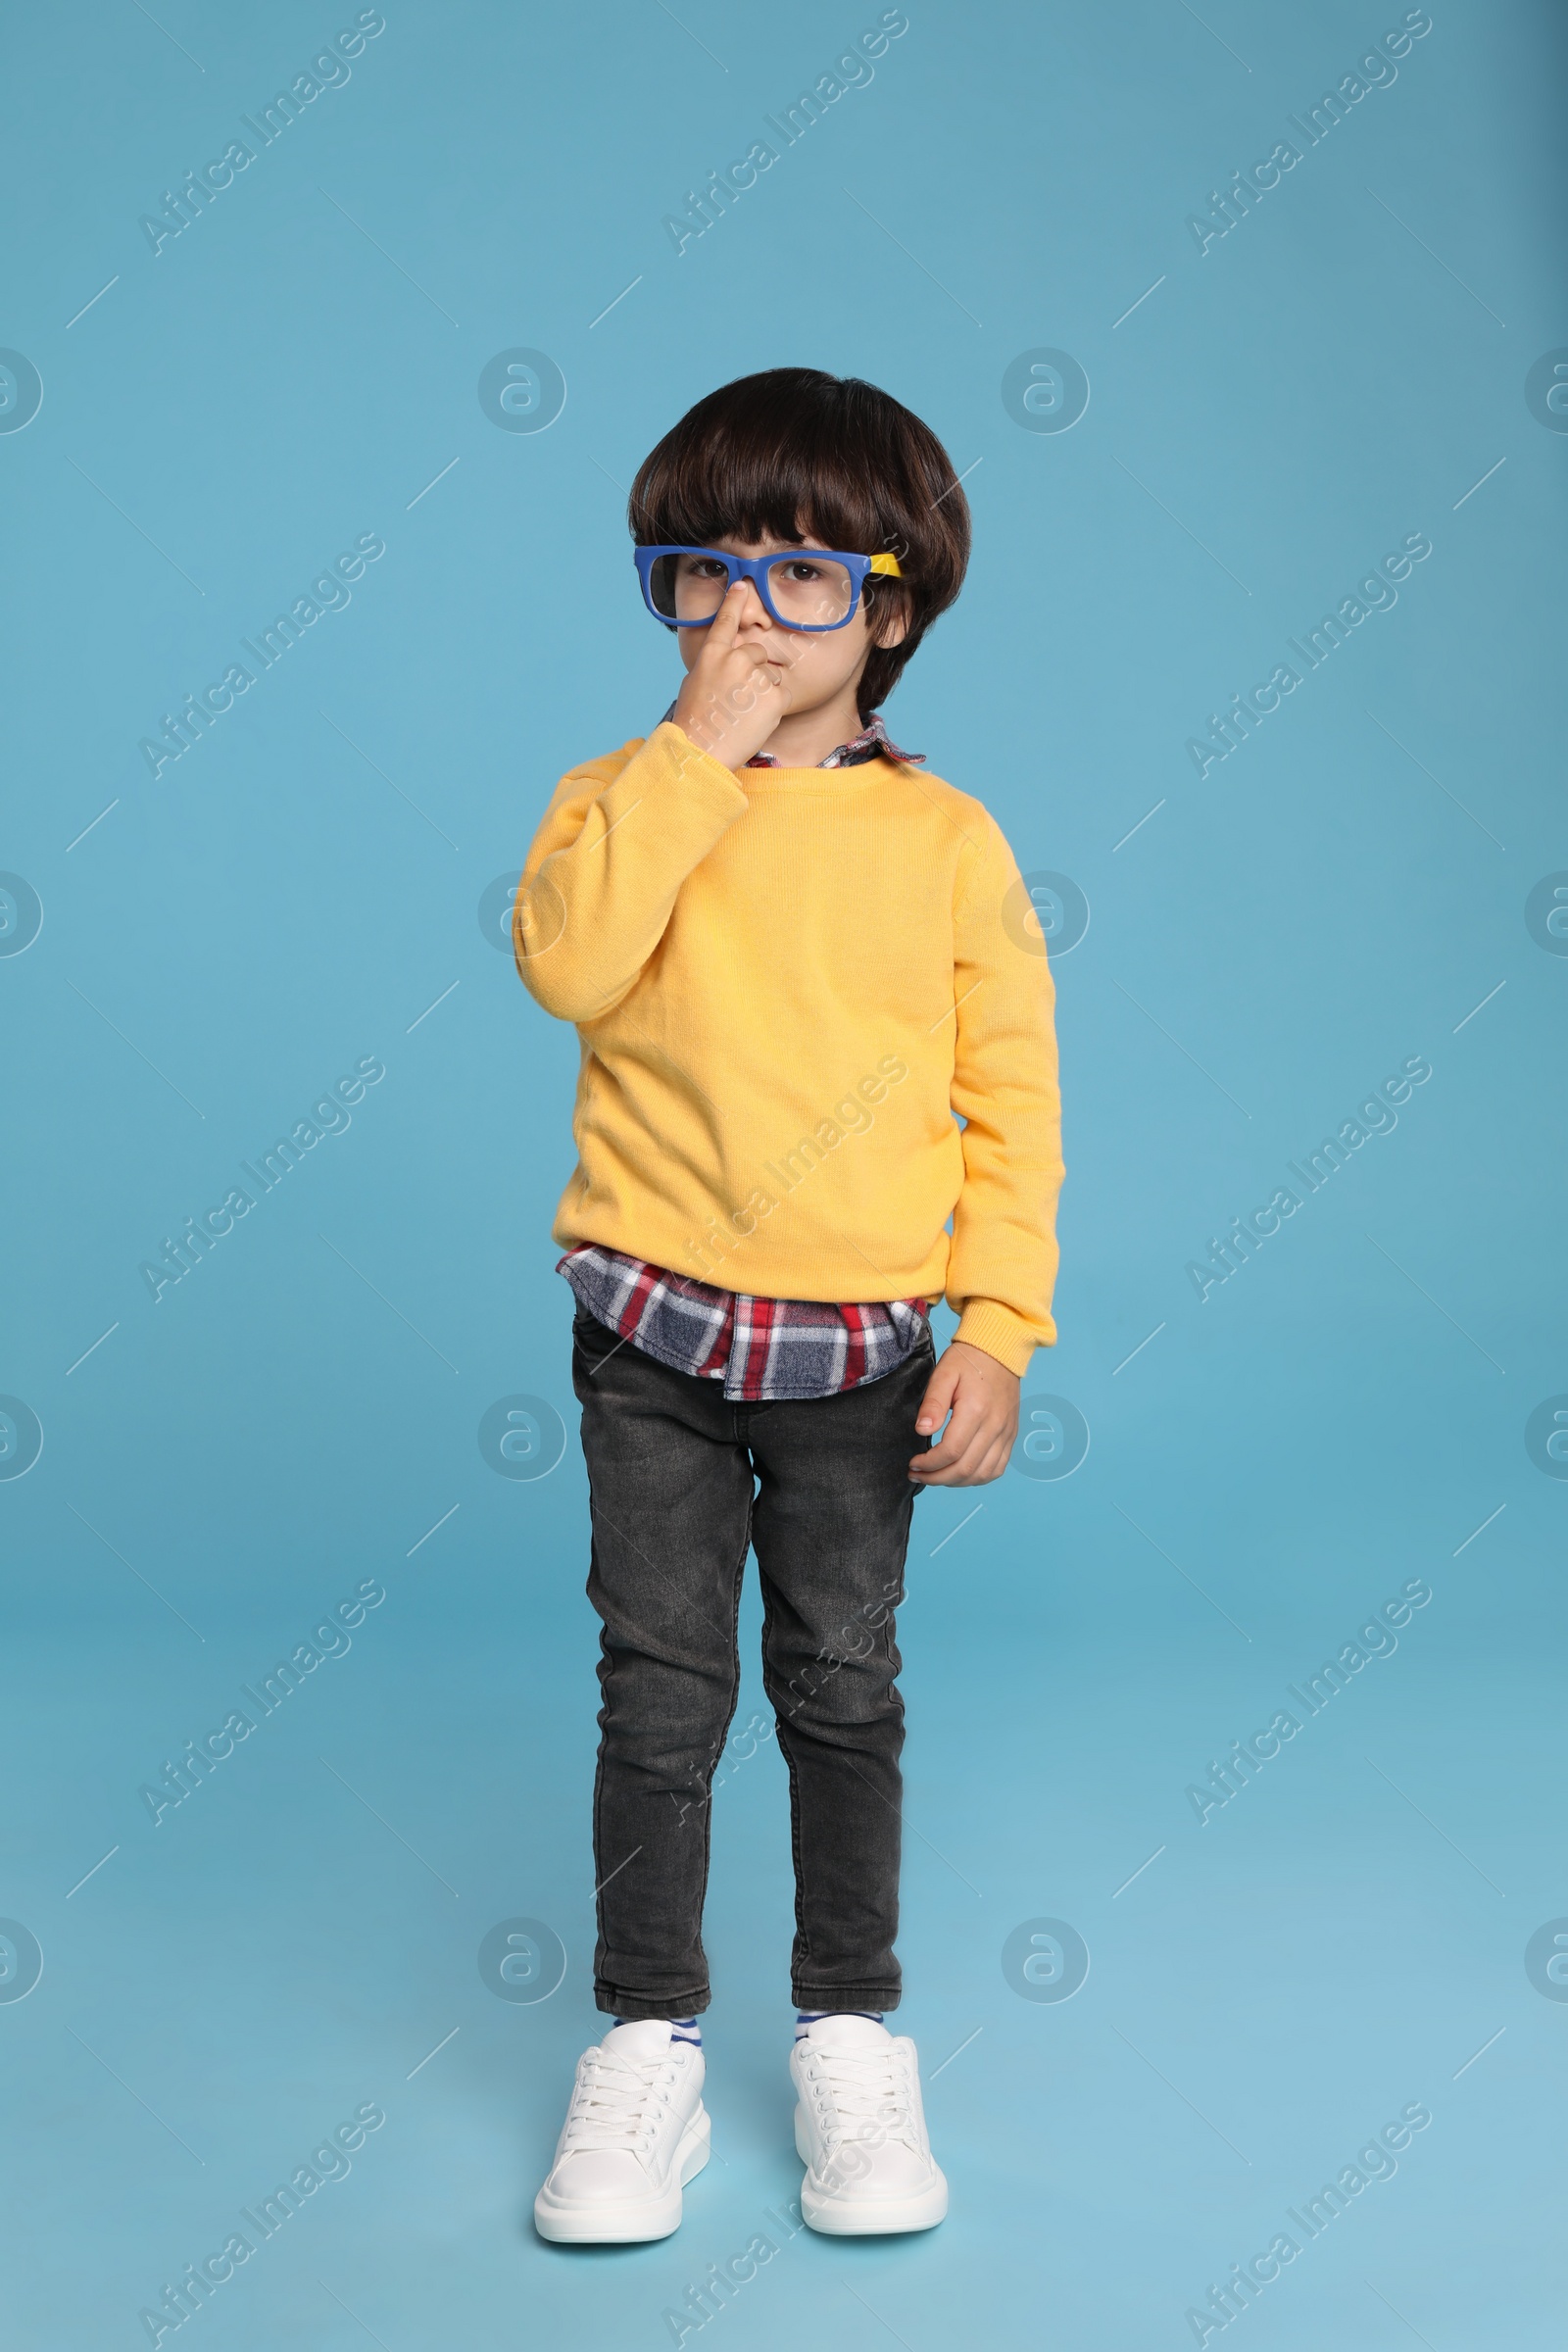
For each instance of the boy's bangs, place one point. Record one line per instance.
(788, 478)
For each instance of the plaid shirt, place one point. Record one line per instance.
(872, 743)
(760, 1349)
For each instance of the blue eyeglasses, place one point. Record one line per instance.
(807, 588)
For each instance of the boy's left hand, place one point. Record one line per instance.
(982, 1395)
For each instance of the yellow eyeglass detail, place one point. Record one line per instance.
(888, 566)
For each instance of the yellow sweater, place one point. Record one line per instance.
(785, 983)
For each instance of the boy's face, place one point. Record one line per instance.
(811, 669)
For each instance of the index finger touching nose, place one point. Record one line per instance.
(726, 621)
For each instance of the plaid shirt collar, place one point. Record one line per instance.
(872, 743)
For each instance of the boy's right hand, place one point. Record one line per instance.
(734, 696)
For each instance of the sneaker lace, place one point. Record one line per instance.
(870, 2093)
(615, 2104)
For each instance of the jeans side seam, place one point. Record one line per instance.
(738, 1579)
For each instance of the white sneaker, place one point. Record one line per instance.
(860, 2130)
(635, 2134)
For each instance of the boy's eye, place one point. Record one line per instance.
(705, 568)
(812, 591)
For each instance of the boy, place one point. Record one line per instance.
(791, 960)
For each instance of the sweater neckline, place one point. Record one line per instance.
(825, 780)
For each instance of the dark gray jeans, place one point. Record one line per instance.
(682, 1482)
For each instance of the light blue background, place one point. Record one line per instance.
(1339, 895)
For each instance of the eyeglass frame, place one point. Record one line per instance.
(755, 568)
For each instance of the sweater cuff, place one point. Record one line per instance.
(986, 1323)
(679, 756)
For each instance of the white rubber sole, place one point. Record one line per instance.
(865, 2217)
(631, 2221)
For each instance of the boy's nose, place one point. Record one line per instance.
(753, 609)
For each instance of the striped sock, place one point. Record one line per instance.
(804, 2018)
(681, 2028)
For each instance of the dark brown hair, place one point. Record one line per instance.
(793, 454)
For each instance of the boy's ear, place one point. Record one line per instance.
(888, 620)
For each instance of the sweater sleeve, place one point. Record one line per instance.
(1001, 1267)
(606, 864)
